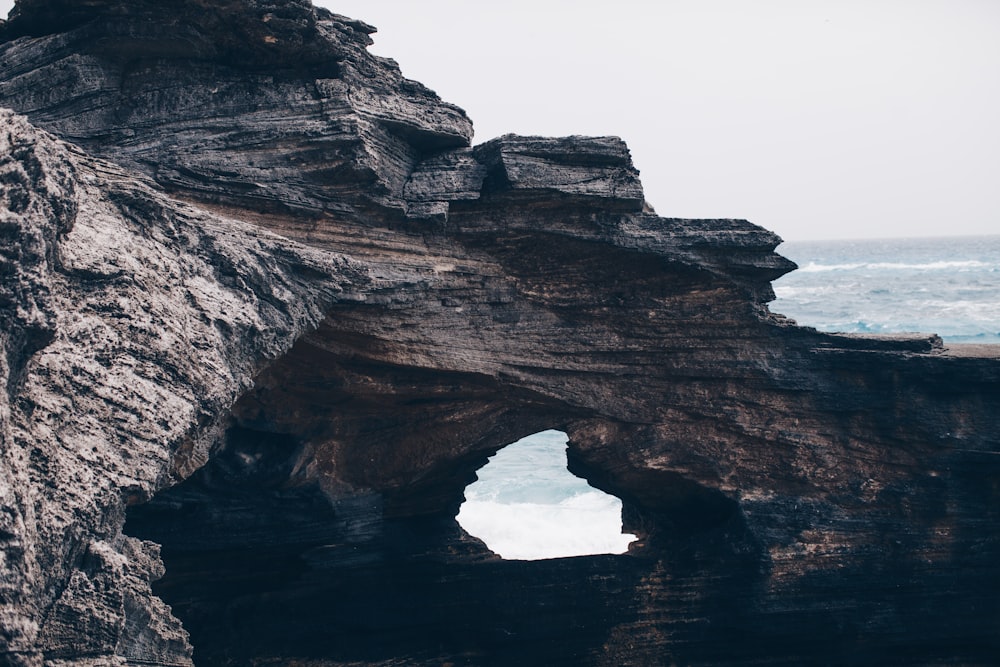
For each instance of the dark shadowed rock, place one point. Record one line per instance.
(268, 313)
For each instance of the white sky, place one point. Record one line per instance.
(814, 118)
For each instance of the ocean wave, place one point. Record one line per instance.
(973, 311)
(955, 329)
(783, 291)
(584, 524)
(983, 338)
(966, 265)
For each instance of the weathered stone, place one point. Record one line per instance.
(131, 324)
(178, 89)
(288, 381)
(598, 167)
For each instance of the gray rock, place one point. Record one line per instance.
(598, 167)
(265, 318)
(320, 124)
(131, 324)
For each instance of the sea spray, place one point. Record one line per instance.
(526, 505)
(948, 286)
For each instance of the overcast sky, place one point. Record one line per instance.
(814, 118)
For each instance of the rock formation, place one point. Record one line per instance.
(268, 312)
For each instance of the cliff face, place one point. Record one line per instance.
(269, 312)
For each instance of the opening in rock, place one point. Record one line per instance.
(527, 505)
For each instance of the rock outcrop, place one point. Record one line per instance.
(269, 311)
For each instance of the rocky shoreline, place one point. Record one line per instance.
(265, 311)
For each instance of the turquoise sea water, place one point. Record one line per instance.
(947, 286)
(527, 505)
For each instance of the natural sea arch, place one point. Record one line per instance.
(526, 505)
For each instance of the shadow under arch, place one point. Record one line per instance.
(676, 519)
(268, 562)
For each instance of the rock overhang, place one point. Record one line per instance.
(477, 294)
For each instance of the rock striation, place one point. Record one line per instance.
(269, 311)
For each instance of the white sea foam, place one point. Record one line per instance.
(965, 311)
(804, 292)
(965, 265)
(526, 505)
(945, 286)
(589, 523)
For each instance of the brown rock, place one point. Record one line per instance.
(290, 379)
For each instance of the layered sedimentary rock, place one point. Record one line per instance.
(270, 310)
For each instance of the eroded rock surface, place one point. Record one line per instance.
(273, 307)
(130, 325)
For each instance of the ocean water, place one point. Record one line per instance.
(527, 505)
(947, 286)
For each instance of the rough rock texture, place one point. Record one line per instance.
(265, 323)
(130, 325)
(177, 89)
